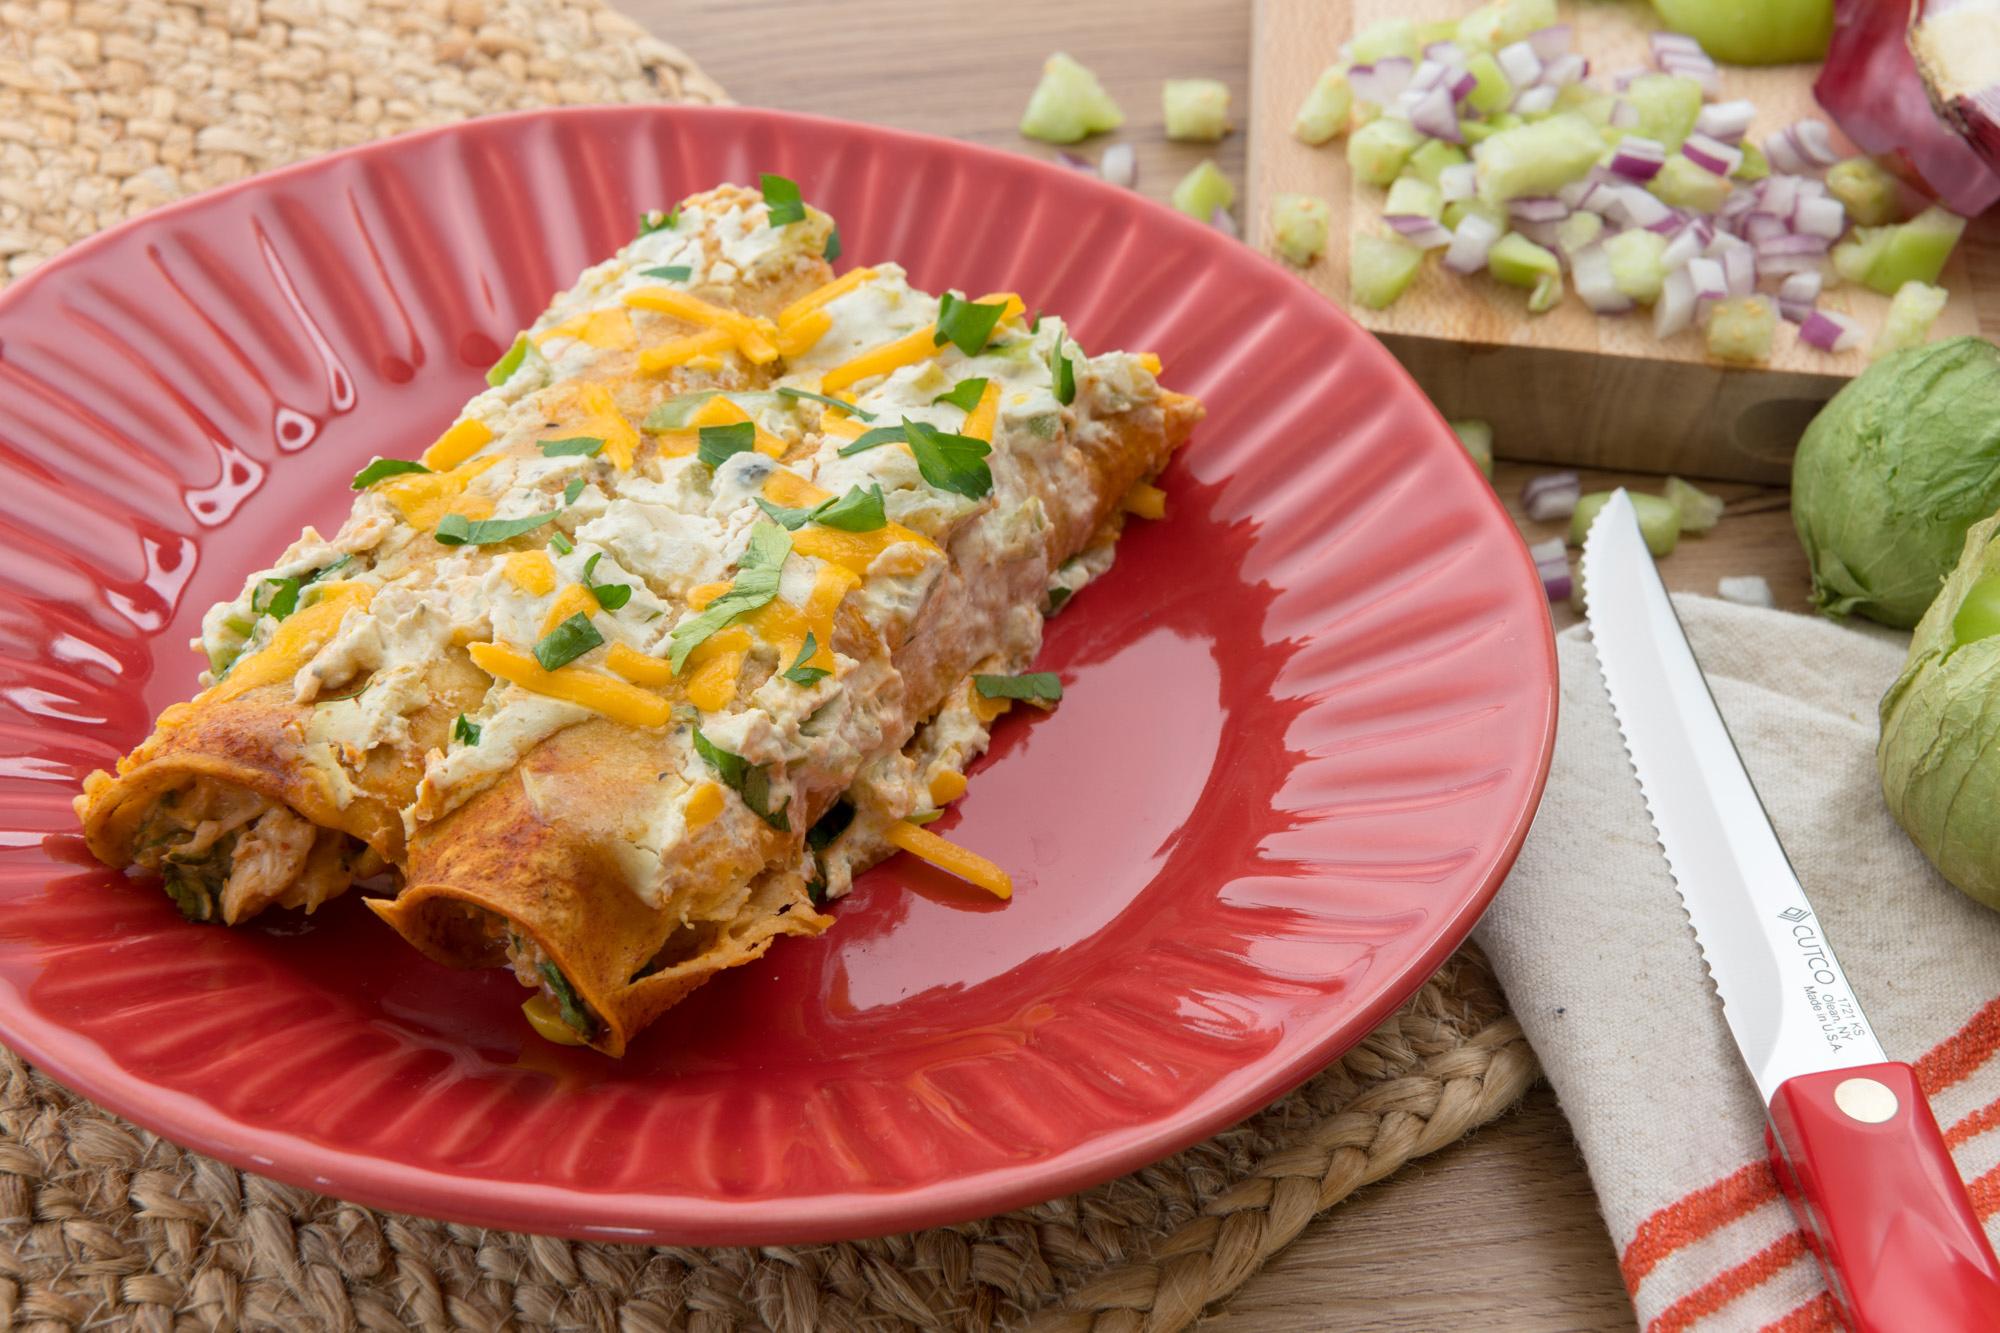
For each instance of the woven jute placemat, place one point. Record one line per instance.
(109, 107)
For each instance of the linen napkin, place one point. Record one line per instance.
(1591, 944)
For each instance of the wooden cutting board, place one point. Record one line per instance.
(1568, 386)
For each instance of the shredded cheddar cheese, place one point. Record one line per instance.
(1146, 501)
(573, 600)
(532, 572)
(614, 698)
(608, 329)
(907, 350)
(703, 805)
(702, 594)
(855, 551)
(604, 420)
(949, 857)
(299, 636)
(819, 296)
(466, 437)
(980, 420)
(947, 785)
(789, 489)
(1151, 361)
(983, 708)
(425, 497)
(637, 667)
(685, 351)
(717, 411)
(841, 428)
(713, 684)
(753, 337)
(797, 339)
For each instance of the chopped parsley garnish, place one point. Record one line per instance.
(1035, 686)
(782, 199)
(786, 391)
(818, 838)
(1058, 599)
(571, 491)
(1035, 321)
(465, 732)
(750, 781)
(653, 220)
(610, 596)
(458, 530)
(1064, 371)
(722, 442)
(955, 463)
(964, 395)
(801, 674)
(791, 520)
(509, 363)
(560, 544)
(574, 1015)
(670, 272)
(966, 324)
(856, 511)
(567, 642)
(282, 597)
(382, 468)
(574, 446)
(832, 251)
(868, 439)
(755, 585)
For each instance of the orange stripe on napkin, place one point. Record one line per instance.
(1973, 1125)
(1952, 1059)
(1730, 1283)
(1695, 1215)
(1815, 1316)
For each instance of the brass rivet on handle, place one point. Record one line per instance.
(1865, 1100)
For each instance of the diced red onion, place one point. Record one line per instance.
(1663, 42)
(1640, 209)
(1382, 82)
(1543, 234)
(1422, 232)
(1706, 275)
(1539, 208)
(1638, 158)
(1703, 229)
(1791, 244)
(1671, 225)
(1554, 548)
(1120, 165)
(1564, 70)
(1459, 181)
(1450, 53)
(1820, 217)
(1590, 270)
(1782, 151)
(1728, 121)
(1773, 266)
(1738, 204)
(1679, 250)
(1624, 115)
(1711, 155)
(1535, 101)
(1674, 310)
(1436, 114)
(1801, 287)
(1559, 589)
(1739, 271)
(1520, 64)
(1551, 43)
(1430, 73)
(1758, 228)
(1601, 199)
(1075, 163)
(1550, 496)
(1470, 243)
(1623, 78)
(1699, 68)
(1815, 142)
(1830, 332)
(1221, 220)
(1462, 83)
(1777, 196)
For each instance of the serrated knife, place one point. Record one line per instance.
(1852, 1140)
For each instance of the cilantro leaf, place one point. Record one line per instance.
(560, 544)
(610, 596)
(786, 391)
(653, 220)
(570, 492)
(868, 439)
(464, 732)
(782, 200)
(1035, 686)
(1064, 371)
(755, 585)
(955, 463)
(509, 363)
(966, 324)
(721, 442)
(279, 604)
(832, 251)
(750, 781)
(382, 468)
(856, 511)
(801, 674)
(964, 395)
(567, 642)
(458, 530)
(574, 446)
(791, 520)
(670, 272)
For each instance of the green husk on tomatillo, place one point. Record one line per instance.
(1892, 473)
(1941, 725)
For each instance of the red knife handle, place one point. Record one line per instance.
(1859, 1155)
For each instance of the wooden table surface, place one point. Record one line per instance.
(1500, 1230)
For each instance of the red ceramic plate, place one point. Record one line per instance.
(1307, 716)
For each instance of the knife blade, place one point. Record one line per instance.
(1851, 1137)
